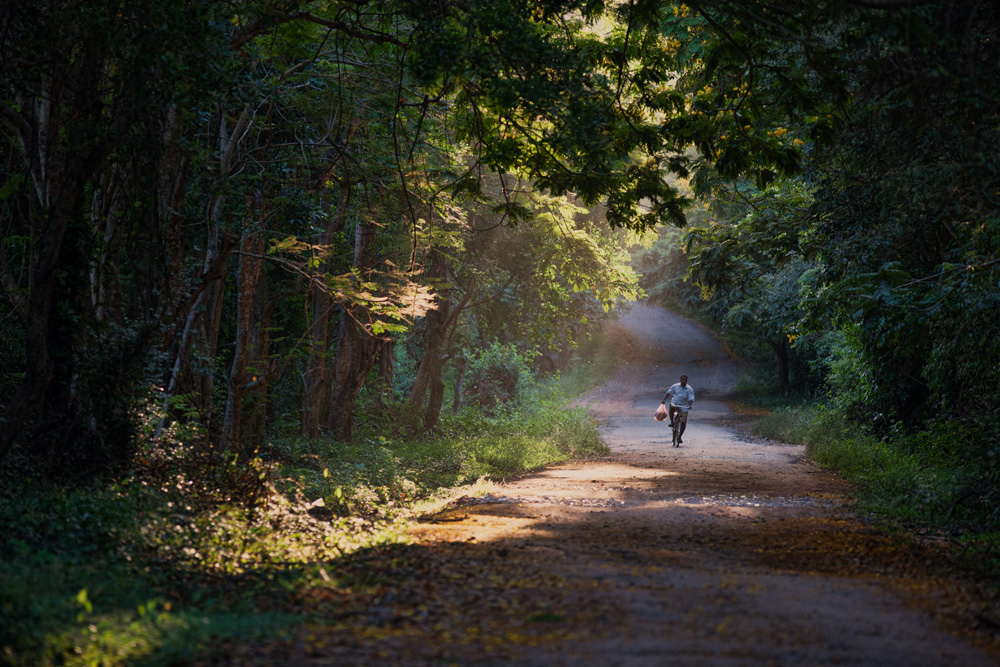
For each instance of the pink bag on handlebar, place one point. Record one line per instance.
(661, 413)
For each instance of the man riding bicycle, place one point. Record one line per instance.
(681, 397)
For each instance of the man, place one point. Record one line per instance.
(681, 397)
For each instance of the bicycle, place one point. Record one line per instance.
(679, 419)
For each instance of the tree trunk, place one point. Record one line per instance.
(262, 367)
(239, 382)
(357, 348)
(199, 334)
(432, 363)
(316, 378)
(59, 172)
(386, 371)
(780, 348)
(356, 353)
(105, 284)
(202, 315)
(440, 327)
(174, 170)
(463, 365)
(47, 338)
(434, 401)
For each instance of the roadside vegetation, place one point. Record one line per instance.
(193, 552)
(926, 483)
(862, 287)
(931, 475)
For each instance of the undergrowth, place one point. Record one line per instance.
(923, 483)
(194, 548)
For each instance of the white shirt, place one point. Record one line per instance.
(680, 397)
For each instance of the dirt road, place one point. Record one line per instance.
(725, 551)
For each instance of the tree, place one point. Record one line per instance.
(896, 107)
(80, 103)
(750, 267)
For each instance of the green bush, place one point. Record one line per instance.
(517, 442)
(497, 375)
(916, 480)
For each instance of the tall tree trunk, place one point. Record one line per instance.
(357, 347)
(48, 339)
(386, 371)
(105, 285)
(357, 350)
(208, 345)
(432, 363)
(174, 170)
(199, 334)
(59, 173)
(262, 367)
(435, 335)
(463, 366)
(239, 381)
(435, 400)
(429, 383)
(317, 377)
(192, 371)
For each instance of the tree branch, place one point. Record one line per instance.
(340, 26)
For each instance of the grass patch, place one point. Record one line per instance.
(921, 483)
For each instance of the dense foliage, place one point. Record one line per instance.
(244, 213)
(193, 552)
(887, 237)
(870, 269)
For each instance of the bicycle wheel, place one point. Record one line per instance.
(677, 434)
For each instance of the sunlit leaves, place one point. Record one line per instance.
(393, 298)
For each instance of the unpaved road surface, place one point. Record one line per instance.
(725, 551)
